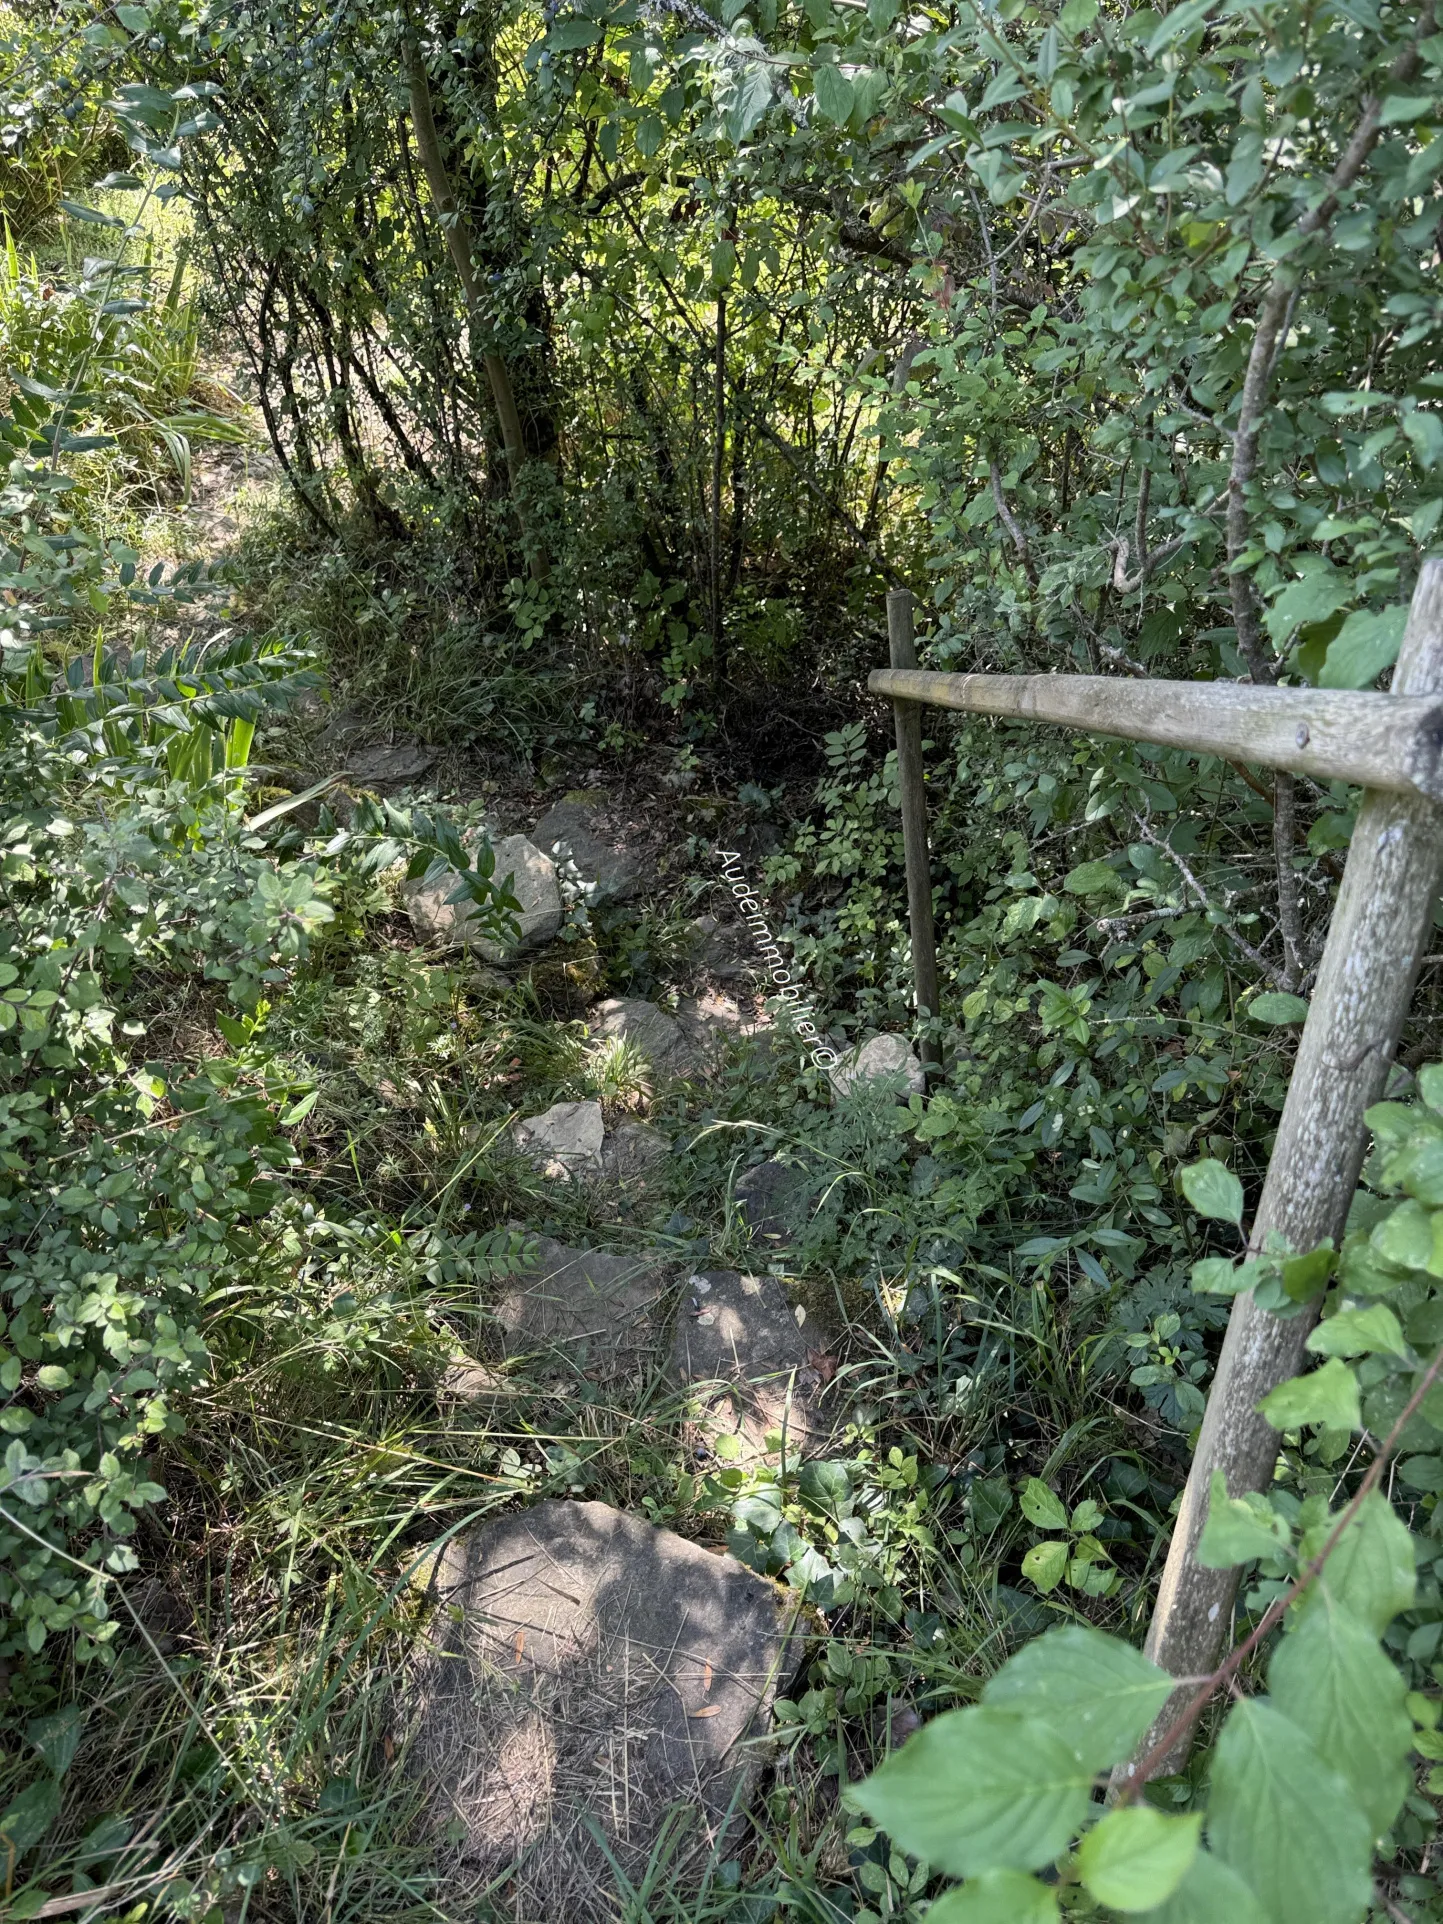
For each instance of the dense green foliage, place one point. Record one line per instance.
(615, 358)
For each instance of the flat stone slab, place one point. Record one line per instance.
(650, 1029)
(769, 1198)
(708, 1022)
(533, 884)
(587, 1311)
(632, 1150)
(385, 769)
(883, 1059)
(593, 1669)
(564, 1141)
(574, 831)
(754, 1367)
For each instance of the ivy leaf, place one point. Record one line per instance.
(1137, 1856)
(1041, 1507)
(1213, 1190)
(1286, 1821)
(1098, 1693)
(1332, 1678)
(1363, 647)
(1210, 1893)
(1374, 1331)
(1235, 1532)
(1327, 1397)
(980, 1789)
(997, 1897)
(834, 94)
(1277, 1008)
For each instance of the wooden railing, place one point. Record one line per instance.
(1392, 745)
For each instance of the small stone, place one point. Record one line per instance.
(464, 1380)
(564, 1140)
(884, 1059)
(710, 1021)
(387, 769)
(587, 1310)
(533, 884)
(571, 832)
(649, 1028)
(632, 1150)
(592, 1674)
(745, 1356)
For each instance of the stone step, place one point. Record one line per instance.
(594, 1670)
(755, 1370)
(586, 1312)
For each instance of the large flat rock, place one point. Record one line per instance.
(575, 831)
(586, 1311)
(752, 1367)
(593, 1670)
(564, 1141)
(533, 884)
(650, 1029)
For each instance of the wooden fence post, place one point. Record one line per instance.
(914, 820)
(1376, 941)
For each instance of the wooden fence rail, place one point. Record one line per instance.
(1390, 744)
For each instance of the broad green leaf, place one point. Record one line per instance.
(1235, 1531)
(1405, 1236)
(751, 95)
(1319, 593)
(56, 1737)
(1277, 1009)
(997, 1897)
(1046, 1564)
(1041, 1507)
(1400, 108)
(1210, 1893)
(1363, 647)
(1328, 1396)
(1305, 1277)
(1430, 1085)
(1331, 1677)
(27, 1817)
(1098, 1693)
(834, 94)
(1372, 1572)
(1213, 1190)
(1093, 878)
(1286, 1821)
(566, 36)
(1360, 1332)
(1137, 1856)
(981, 1789)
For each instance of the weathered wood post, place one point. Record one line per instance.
(1375, 944)
(910, 781)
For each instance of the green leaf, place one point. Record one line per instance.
(997, 1897)
(1236, 1531)
(1372, 1573)
(1213, 1190)
(27, 1817)
(1399, 108)
(1328, 1397)
(1137, 1856)
(1424, 430)
(1098, 1693)
(133, 19)
(834, 93)
(1041, 1507)
(1305, 1277)
(1093, 878)
(1210, 1893)
(1046, 1564)
(1363, 647)
(1319, 593)
(1286, 1821)
(750, 97)
(1374, 1331)
(56, 1737)
(1277, 1009)
(567, 36)
(1331, 1677)
(980, 1789)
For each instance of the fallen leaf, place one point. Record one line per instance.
(824, 1365)
(520, 1644)
(708, 1710)
(706, 1680)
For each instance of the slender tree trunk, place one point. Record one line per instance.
(718, 639)
(457, 230)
